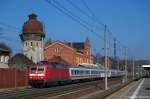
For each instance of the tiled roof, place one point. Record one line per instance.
(19, 59)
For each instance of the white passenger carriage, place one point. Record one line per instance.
(91, 71)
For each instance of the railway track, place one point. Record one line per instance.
(54, 92)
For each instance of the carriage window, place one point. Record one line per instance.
(81, 72)
(72, 72)
(87, 72)
(92, 72)
(77, 72)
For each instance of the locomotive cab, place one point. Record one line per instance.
(37, 75)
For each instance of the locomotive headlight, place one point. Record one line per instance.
(40, 74)
(32, 74)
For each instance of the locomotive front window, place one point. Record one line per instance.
(33, 69)
(41, 69)
(37, 69)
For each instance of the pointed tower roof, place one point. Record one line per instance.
(49, 41)
(87, 43)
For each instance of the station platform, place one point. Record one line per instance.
(136, 90)
(142, 91)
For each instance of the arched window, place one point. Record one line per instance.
(57, 51)
(2, 59)
(37, 44)
(31, 44)
(6, 59)
(31, 57)
(26, 44)
(87, 53)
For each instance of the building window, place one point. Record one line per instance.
(26, 44)
(37, 44)
(2, 59)
(31, 58)
(31, 44)
(57, 51)
(77, 60)
(6, 59)
(80, 60)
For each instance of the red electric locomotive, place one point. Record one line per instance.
(43, 74)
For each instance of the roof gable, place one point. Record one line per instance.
(59, 42)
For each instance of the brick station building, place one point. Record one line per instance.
(69, 53)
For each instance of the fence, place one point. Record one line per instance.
(10, 78)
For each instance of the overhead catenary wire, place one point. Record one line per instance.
(91, 17)
(92, 13)
(79, 9)
(122, 46)
(77, 19)
(63, 10)
(9, 26)
(7, 29)
(69, 12)
(94, 17)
